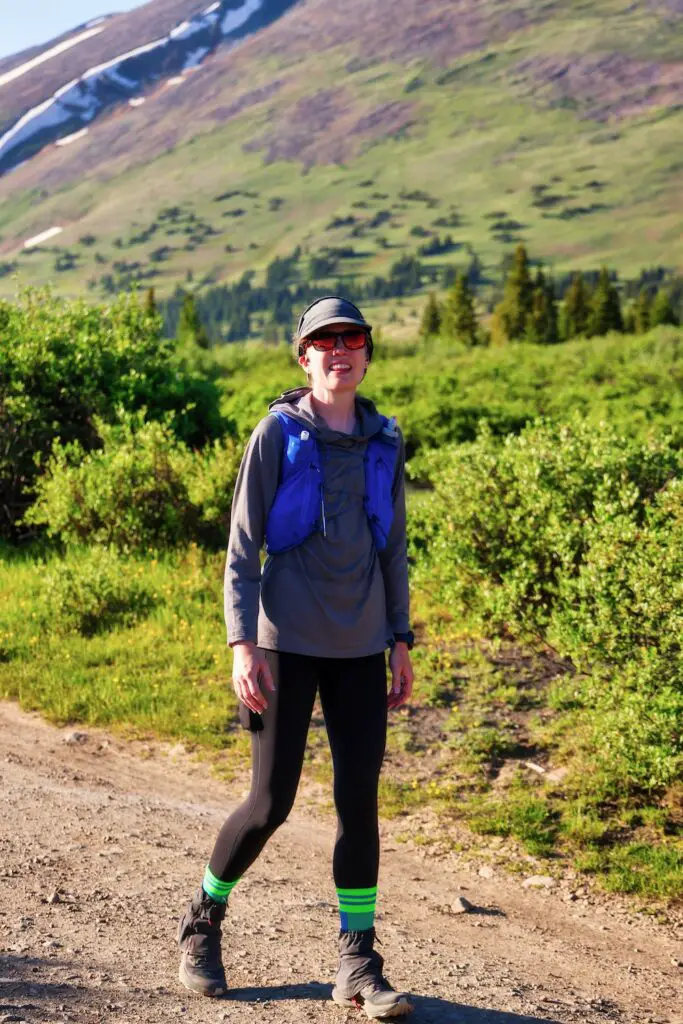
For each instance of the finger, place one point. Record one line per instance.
(267, 676)
(256, 695)
(244, 694)
(393, 699)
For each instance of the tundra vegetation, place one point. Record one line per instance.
(546, 550)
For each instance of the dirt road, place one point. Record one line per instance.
(102, 842)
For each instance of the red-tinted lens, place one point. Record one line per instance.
(354, 339)
(326, 340)
(323, 342)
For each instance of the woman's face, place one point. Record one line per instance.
(341, 369)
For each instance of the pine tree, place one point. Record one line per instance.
(605, 313)
(542, 319)
(190, 328)
(271, 332)
(431, 318)
(642, 312)
(514, 309)
(459, 316)
(576, 311)
(662, 311)
(150, 305)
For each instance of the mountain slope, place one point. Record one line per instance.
(118, 79)
(556, 122)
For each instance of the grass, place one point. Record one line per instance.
(167, 675)
(483, 139)
(480, 713)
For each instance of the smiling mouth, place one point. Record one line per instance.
(340, 367)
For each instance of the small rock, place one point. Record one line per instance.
(461, 906)
(486, 872)
(54, 897)
(676, 962)
(73, 739)
(539, 882)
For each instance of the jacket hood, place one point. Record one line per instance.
(297, 403)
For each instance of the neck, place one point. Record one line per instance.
(337, 408)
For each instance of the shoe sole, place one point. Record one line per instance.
(402, 1008)
(189, 982)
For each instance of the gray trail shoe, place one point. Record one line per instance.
(199, 938)
(360, 981)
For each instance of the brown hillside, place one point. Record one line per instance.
(236, 78)
(122, 32)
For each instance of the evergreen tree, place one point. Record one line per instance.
(190, 328)
(459, 317)
(642, 312)
(240, 325)
(576, 311)
(662, 311)
(150, 302)
(271, 332)
(448, 276)
(542, 319)
(515, 307)
(431, 318)
(630, 320)
(605, 313)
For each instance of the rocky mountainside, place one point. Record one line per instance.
(553, 122)
(111, 61)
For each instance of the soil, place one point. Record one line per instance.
(103, 842)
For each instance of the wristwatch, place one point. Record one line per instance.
(405, 638)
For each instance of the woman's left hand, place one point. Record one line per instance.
(402, 676)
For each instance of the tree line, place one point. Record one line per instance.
(531, 308)
(530, 304)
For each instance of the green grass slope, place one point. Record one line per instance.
(371, 131)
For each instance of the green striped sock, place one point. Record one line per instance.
(357, 908)
(216, 889)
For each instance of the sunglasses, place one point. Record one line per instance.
(325, 341)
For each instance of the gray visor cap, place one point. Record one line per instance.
(330, 309)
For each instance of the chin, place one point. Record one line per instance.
(343, 383)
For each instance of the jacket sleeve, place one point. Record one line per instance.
(255, 490)
(394, 558)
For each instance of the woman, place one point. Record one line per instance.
(322, 482)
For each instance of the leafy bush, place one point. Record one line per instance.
(92, 592)
(575, 537)
(63, 363)
(143, 488)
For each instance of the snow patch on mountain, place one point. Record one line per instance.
(120, 80)
(54, 51)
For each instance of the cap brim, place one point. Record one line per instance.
(337, 320)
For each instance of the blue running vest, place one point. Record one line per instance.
(298, 509)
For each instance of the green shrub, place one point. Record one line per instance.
(142, 489)
(62, 363)
(93, 591)
(574, 537)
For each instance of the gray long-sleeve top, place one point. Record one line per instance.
(332, 596)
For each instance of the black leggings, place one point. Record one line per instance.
(353, 694)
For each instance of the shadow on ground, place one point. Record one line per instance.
(428, 1009)
(25, 995)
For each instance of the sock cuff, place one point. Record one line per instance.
(357, 908)
(215, 888)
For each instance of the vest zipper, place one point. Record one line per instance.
(322, 499)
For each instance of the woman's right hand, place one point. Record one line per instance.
(249, 668)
